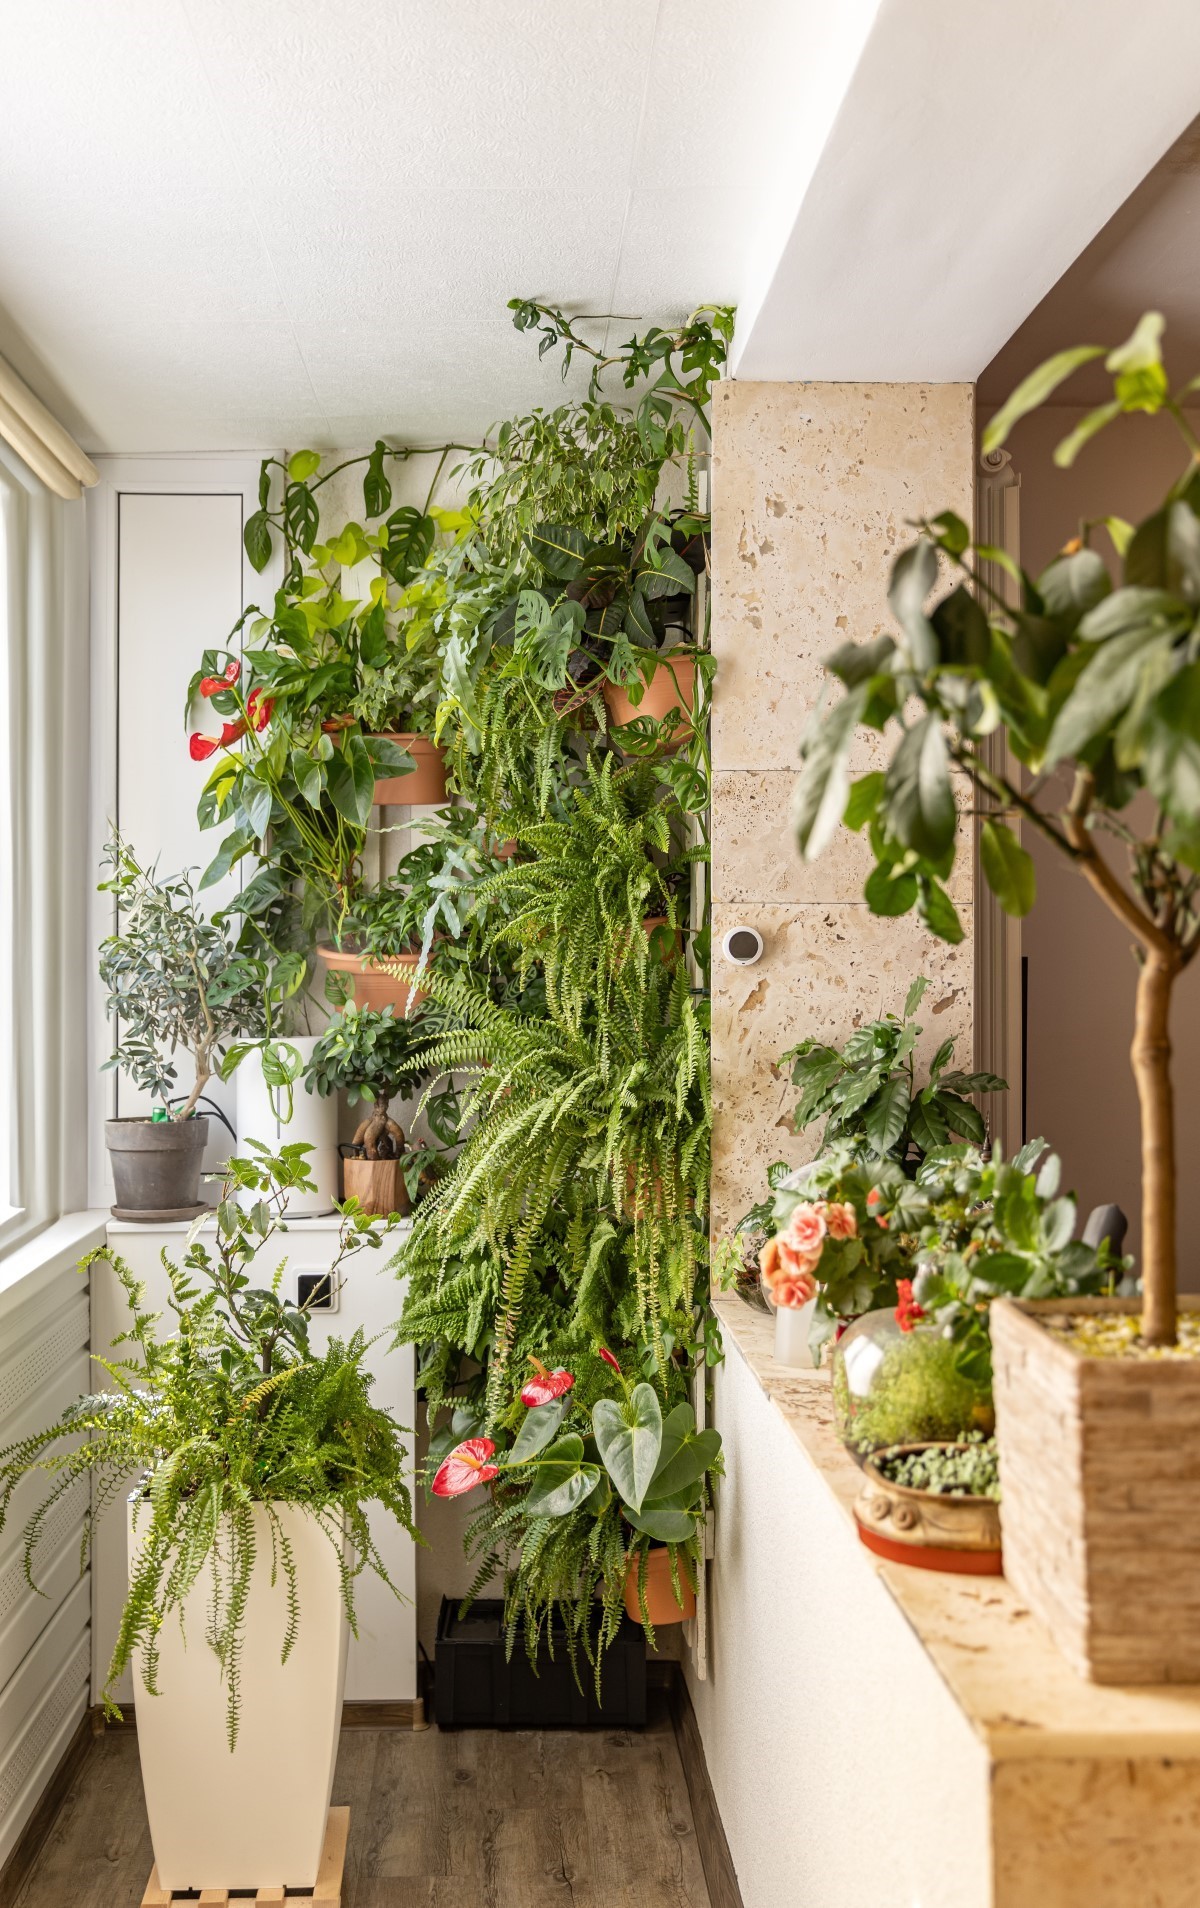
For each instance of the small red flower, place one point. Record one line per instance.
(907, 1309)
(259, 712)
(608, 1357)
(212, 685)
(546, 1387)
(465, 1468)
(874, 1201)
(200, 747)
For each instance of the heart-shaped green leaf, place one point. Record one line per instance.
(629, 1438)
(540, 1426)
(562, 1480)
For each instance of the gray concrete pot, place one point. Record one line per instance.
(156, 1166)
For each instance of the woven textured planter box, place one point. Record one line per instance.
(1100, 1504)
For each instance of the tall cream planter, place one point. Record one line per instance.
(254, 1817)
(261, 1115)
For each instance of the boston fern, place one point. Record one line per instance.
(868, 1095)
(234, 1409)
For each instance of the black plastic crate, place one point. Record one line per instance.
(477, 1687)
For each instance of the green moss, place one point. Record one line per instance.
(918, 1394)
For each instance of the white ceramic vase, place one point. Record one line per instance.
(253, 1817)
(262, 1115)
(792, 1324)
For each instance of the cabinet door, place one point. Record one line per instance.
(383, 1657)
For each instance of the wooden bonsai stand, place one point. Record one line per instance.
(327, 1890)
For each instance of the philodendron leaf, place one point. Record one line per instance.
(696, 1454)
(628, 1436)
(918, 796)
(562, 1480)
(664, 1525)
(1009, 868)
(541, 1424)
(257, 539)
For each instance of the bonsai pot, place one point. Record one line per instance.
(377, 1184)
(672, 686)
(934, 1530)
(156, 1166)
(374, 984)
(423, 785)
(662, 1606)
(254, 1817)
(1101, 1492)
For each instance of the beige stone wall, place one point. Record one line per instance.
(814, 486)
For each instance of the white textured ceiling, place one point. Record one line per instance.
(230, 223)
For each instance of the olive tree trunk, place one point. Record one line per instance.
(1151, 1057)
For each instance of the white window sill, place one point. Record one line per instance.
(50, 1252)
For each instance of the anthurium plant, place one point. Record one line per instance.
(578, 1494)
(868, 1093)
(1092, 677)
(232, 1408)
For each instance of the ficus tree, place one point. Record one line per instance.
(1093, 679)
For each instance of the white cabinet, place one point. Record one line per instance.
(383, 1658)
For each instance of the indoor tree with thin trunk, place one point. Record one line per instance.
(1094, 683)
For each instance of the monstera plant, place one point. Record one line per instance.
(1093, 679)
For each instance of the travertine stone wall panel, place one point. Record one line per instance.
(815, 488)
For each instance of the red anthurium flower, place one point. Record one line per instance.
(259, 708)
(907, 1309)
(547, 1386)
(465, 1467)
(212, 685)
(200, 747)
(608, 1357)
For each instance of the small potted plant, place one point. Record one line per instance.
(254, 1458)
(174, 982)
(371, 1056)
(935, 1506)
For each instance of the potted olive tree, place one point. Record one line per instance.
(1093, 678)
(255, 1456)
(174, 982)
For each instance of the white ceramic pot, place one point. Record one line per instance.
(792, 1324)
(254, 1817)
(262, 1115)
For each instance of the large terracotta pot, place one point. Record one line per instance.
(672, 686)
(253, 1817)
(424, 785)
(661, 1604)
(374, 985)
(377, 1184)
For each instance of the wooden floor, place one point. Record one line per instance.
(478, 1819)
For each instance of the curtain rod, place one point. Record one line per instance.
(50, 451)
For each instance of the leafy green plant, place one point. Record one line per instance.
(436, 901)
(969, 1469)
(370, 1056)
(867, 1093)
(235, 1409)
(1095, 686)
(174, 981)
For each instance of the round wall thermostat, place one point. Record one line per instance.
(743, 946)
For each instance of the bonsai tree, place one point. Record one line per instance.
(370, 1056)
(236, 1408)
(174, 981)
(1094, 682)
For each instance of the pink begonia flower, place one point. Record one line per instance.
(465, 1468)
(842, 1220)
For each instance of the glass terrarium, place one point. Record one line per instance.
(893, 1385)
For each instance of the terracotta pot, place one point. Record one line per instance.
(661, 1606)
(668, 955)
(377, 1184)
(374, 985)
(672, 686)
(931, 1529)
(422, 786)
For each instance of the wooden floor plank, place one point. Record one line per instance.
(463, 1819)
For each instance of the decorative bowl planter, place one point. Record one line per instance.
(892, 1386)
(254, 1817)
(672, 686)
(1101, 1493)
(156, 1167)
(423, 785)
(374, 984)
(662, 1605)
(377, 1184)
(933, 1530)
